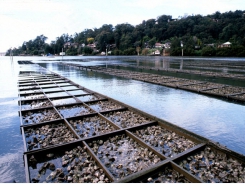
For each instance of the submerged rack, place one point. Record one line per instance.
(192, 72)
(206, 88)
(77, 135)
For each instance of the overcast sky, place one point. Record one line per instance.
(23, 20)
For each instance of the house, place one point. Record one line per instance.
(155, 53)
(93, 45)
(226, 44)
(158, 45)
(69, 45)
(167, 45)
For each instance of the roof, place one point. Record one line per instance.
(227, 43)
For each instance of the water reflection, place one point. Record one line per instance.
(166, 64)
(207, 116)
(181, 64)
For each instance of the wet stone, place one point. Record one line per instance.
(91, 126)
(126, 119)
(204, 86)
(28, 91)
(42, 115)
(227, 90)
(48, 135)
(166, 175)
(75, 110)
(123, 156)
(212, 166)
(71, 166)
(241, 96)
(35, 104)
(32, 96)
(104, 106)
(167, 142)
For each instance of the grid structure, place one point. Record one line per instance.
(207, 88)
(73, 134)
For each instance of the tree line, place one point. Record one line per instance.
(200, 35)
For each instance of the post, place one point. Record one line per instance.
(62, 54)
(181, 44)
(11, 54)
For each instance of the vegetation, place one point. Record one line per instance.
(200, 35)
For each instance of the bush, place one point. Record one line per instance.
(176, 51)
(224, 52)
(208, 51)
(35, 52)
(88, 50)
(117, 52)
(130, 51)
(145, 51)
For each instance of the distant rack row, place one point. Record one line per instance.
(73, 134)
(207, 88)
(194, 72)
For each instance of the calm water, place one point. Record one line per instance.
(216, 119)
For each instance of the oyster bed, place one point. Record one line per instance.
(241, 96)
(91, 126)
(196, 72)
(74, 110)
(72, 166)
(229, 90)
(166, 142)
(86, 98)
(103, 106)
(32, 96)
(26, 105)
(38, 116)
(63, 101)
(48, 135)
(30, 91)
(126, 119)
(212, 166)
(104, 141)
(166, 175)
(204, 86)
(166, 81)
(77, 92)
(123, 156)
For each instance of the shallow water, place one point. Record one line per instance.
(214, 118)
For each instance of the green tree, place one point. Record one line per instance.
(87, 50)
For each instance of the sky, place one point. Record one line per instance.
(24, 20)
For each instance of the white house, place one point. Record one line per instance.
(226, 44)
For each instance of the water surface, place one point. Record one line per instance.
(214, 118)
